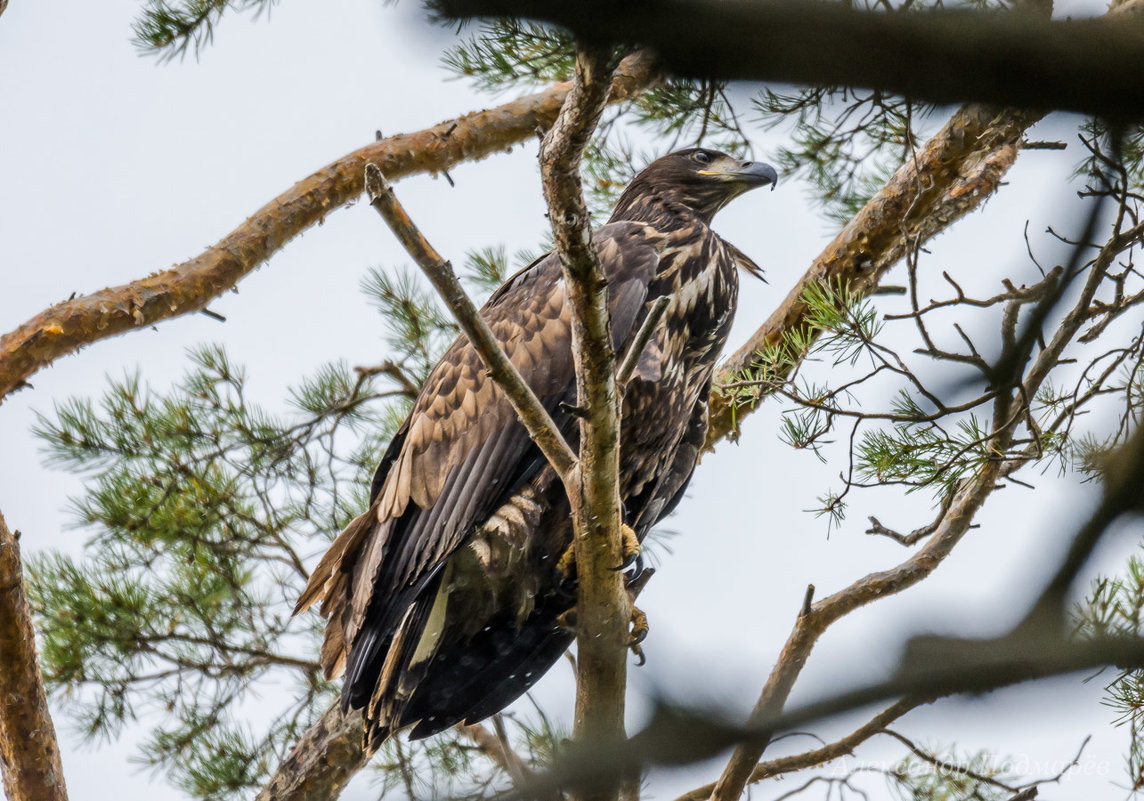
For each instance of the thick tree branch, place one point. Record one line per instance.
(440, 273)
(322, 762)
(188, 287)
(29, 752)
(941, 56)
(603, 609)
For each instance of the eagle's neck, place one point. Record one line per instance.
(665, 211)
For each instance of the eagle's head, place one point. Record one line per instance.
(696, 182)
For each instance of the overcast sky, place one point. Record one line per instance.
(113, 166)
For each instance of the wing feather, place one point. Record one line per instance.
(462, 454)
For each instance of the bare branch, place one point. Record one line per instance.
(528, 407)
(955, 521)
(29, 753)
(394, 371)
(1080, 65)
(496, 747)
(190, 286)
(947, 767)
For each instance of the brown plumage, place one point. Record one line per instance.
(443, 596)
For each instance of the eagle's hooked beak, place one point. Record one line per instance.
(757, 172)
(752, 173)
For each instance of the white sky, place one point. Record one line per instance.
(113, 166)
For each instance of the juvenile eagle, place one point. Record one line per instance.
(443, 597)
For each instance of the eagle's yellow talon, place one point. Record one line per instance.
(630, 546)
(567, 619)
(639, 626)
(566, 567)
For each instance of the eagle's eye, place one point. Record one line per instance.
(702, 156)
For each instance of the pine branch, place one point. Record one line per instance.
(528, 407)
(29, 753)
(1078, 65)
(603, 608)
(190, 286)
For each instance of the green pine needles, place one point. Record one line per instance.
(203, 508)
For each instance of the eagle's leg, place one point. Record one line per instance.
(638, 622)
(566, 566)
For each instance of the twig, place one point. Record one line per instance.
(954, 523)
(948, 767)
(819, 756)
(917, 534)
(496, 747)
(394, 371)
(29, 752)
(438, 270)
(631, 359)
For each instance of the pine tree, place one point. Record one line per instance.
(199, 500)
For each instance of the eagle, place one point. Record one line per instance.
(448, 598)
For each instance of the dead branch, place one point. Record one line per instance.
(603, 608)
(29, 753)
(496, 747)
(1083, 65)
(954, 173)
(188, 287)
(440, 273)
(948, 767)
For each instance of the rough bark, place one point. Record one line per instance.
(603, 608)
(938, 55)
(322, 762)
(29, 752)
(188, 287)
